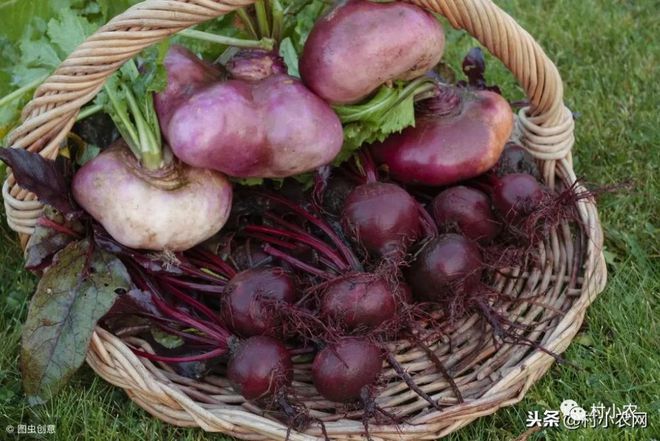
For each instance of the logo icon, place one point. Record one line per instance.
(571, 409)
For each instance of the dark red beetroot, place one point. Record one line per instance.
(459, 136)
(516, 195)
(341, 370)
(260, 367)
(382, 217)
(360, 300)
(515, 159)
(448, 267)
(247, 305)
(466, 211)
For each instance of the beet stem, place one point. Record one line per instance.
(49, 223)
(268, 249)
(327, 229)
(217, 289)
(319, 246)
(205, 356)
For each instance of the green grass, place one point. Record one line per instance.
(607, 52)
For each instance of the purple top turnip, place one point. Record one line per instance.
(360, 45)
(174, 208)
(185, 74)
(270, 128)
(460, 136)
(141, 195)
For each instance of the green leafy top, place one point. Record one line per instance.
(128, 98)
(35, 36)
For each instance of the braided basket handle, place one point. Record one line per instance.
(546, 125)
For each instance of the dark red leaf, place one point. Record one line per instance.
(41, 176)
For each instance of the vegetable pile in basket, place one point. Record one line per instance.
(312, 195)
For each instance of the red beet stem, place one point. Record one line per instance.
(192, 302)
(327, 229)
(222, 350)
(49, 223)
(209, 328)
(226, 269)
(216, 289)
(319, 246)
(268, 249)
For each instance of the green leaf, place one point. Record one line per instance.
(300, 18)
(74, 293)
(165, 339)
(288, 52)
(68, 30)
(390, 111)
(46, 240)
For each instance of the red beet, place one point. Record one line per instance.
(515, 159)
(341, 370)
(260, 367)
(360, 300)
(382, 217)
(516, 195)
(466, 211)
(448, 267)
(244, 309)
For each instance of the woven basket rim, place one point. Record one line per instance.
(545, 128)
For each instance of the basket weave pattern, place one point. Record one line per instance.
(570, 274)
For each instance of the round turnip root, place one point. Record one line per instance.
(382, 217)
(260, 367)
(243, 306)
(270, 128)
(172, 208)
(254, 65)
(359, 301)
(185, 74)
(449, 266)
(341, 370)
(360, 45)
(460, 136)
(466, 211)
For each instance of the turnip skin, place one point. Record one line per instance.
(271, 128)
(360, 45)
(443, 150)
(188, 207)
(466, 210)
(185, 74)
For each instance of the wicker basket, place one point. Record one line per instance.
(572, 274)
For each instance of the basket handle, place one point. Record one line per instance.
(546, 125)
